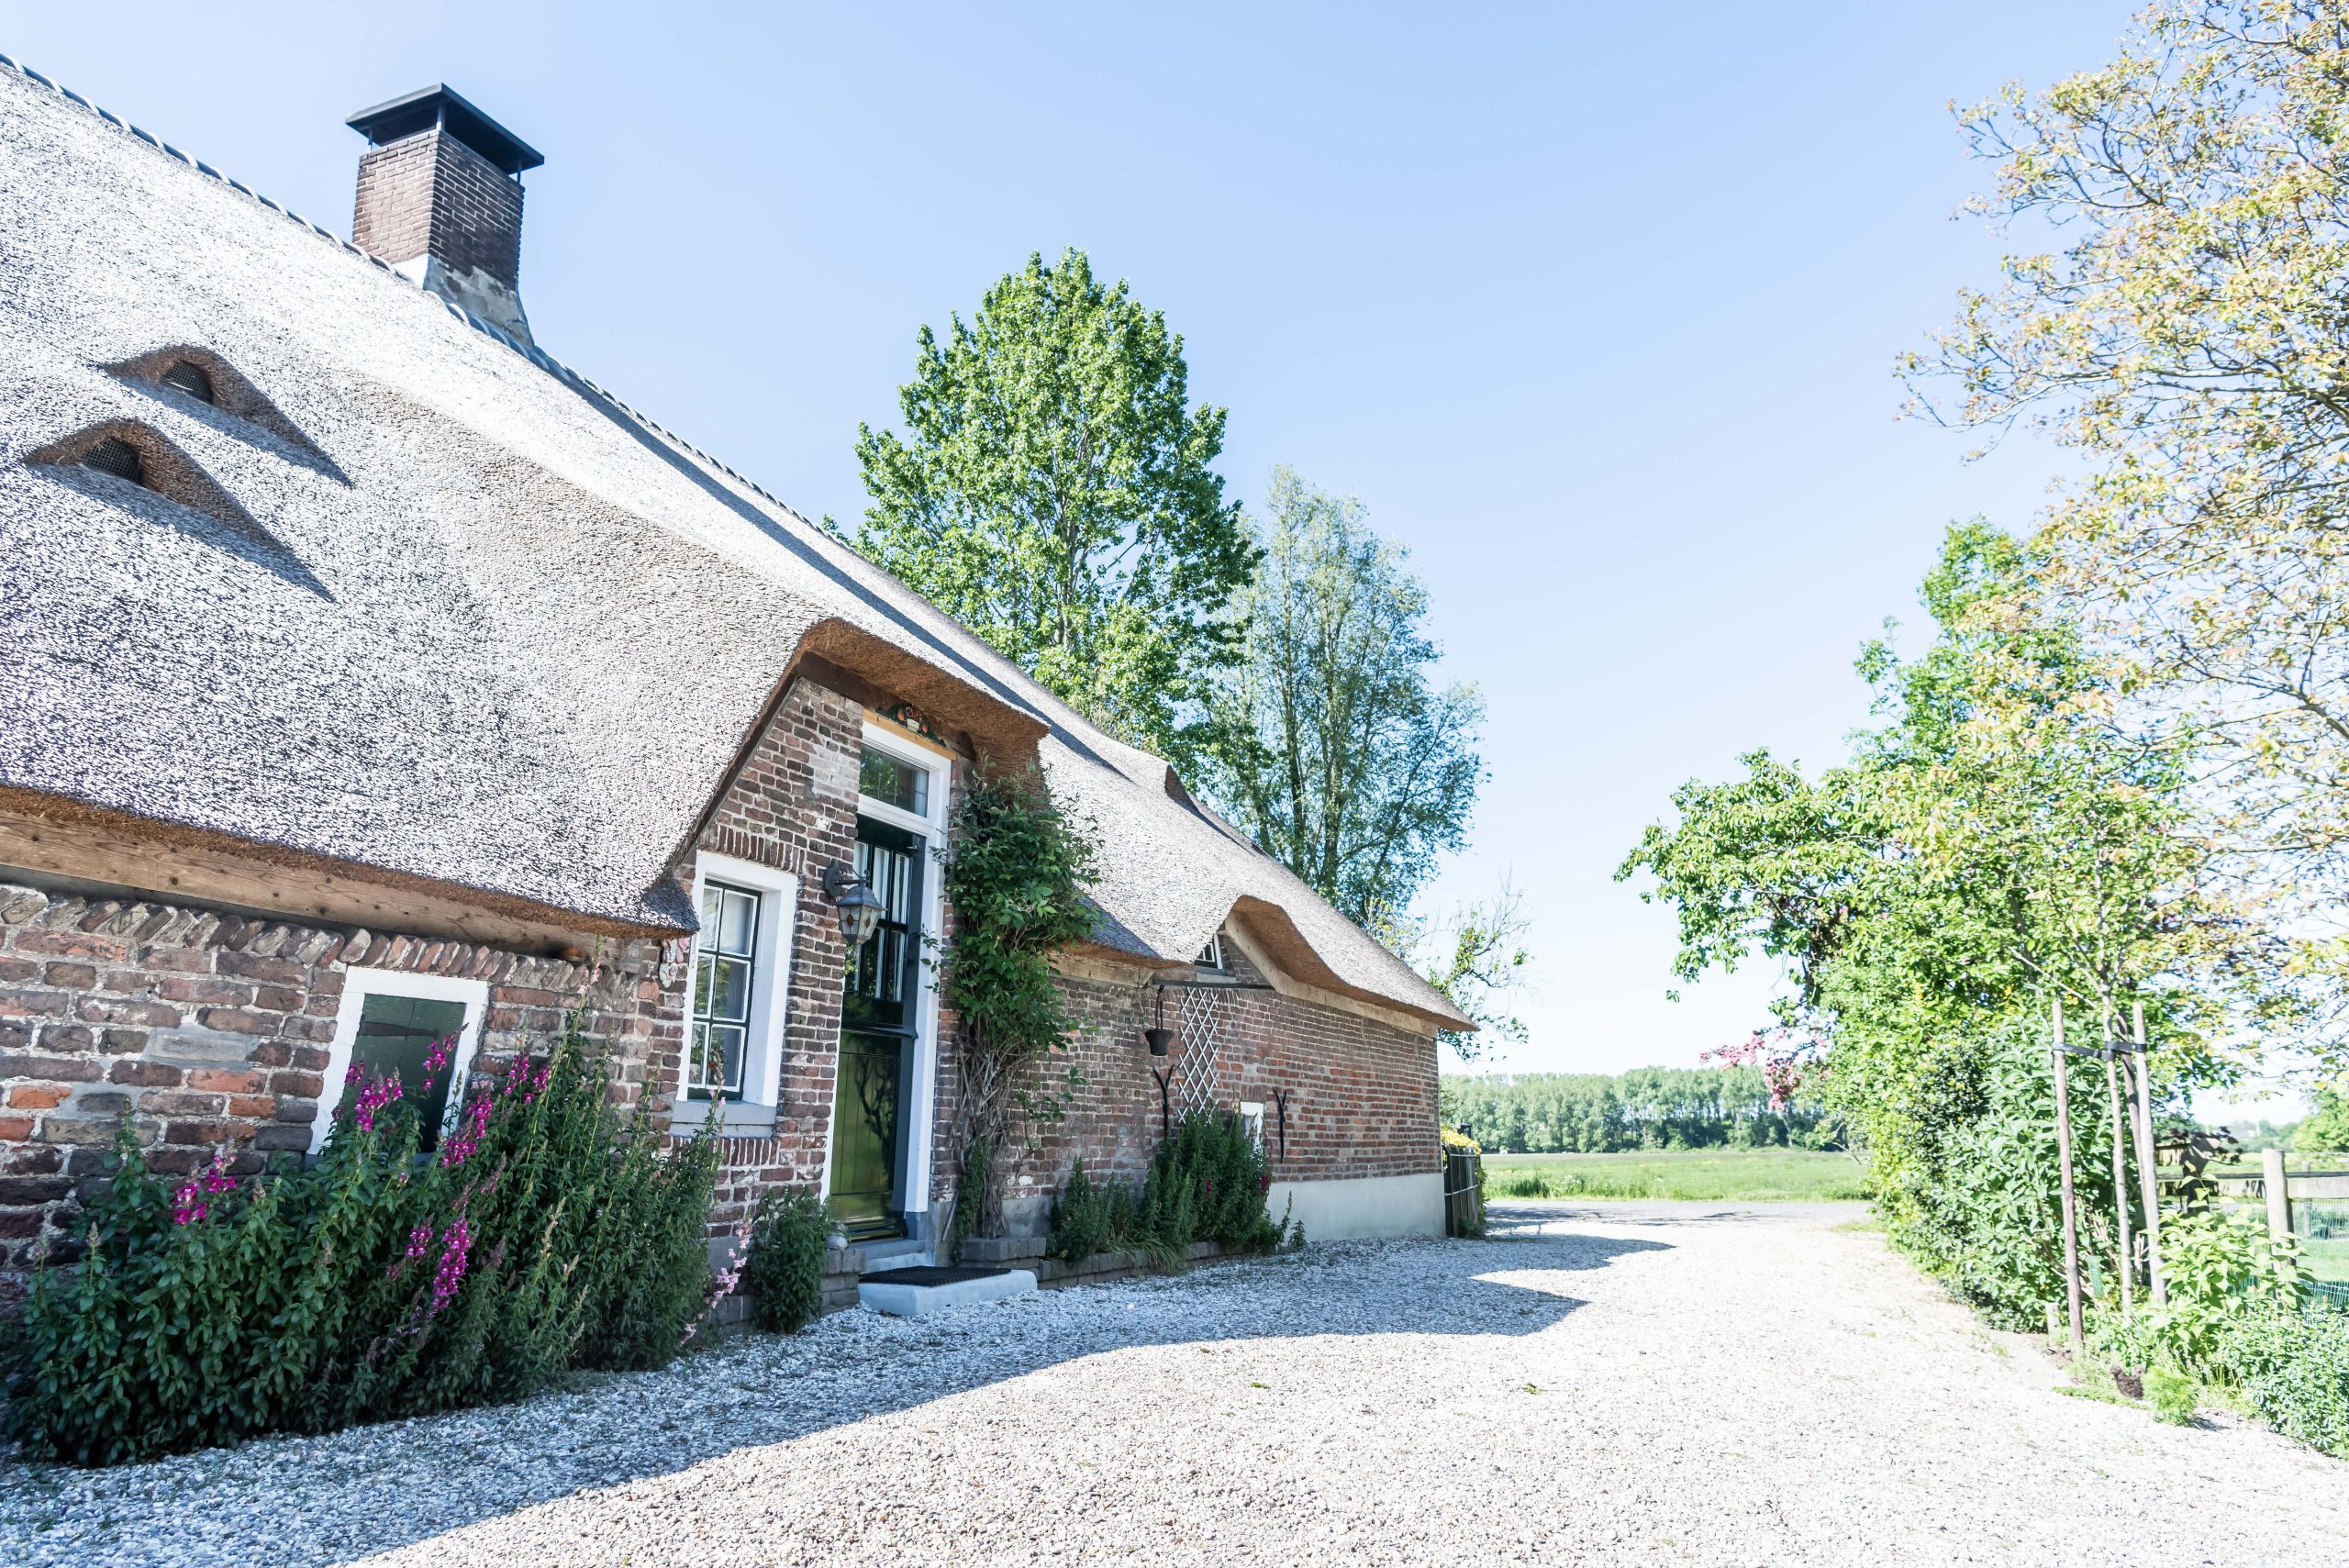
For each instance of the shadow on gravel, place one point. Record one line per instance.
(1528, 1217)
(753, 1390)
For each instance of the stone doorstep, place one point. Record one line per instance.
(842, 1286)
(920, 1300)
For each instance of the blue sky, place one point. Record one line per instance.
(1595, 307)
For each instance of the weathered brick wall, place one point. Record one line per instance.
(1361, 1092)
(793, 806)
(430, 193)
(210, 1031)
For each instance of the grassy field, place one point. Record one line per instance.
(1749, 1175)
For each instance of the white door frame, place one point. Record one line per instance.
(920, 1092)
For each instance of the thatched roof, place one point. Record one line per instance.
(416, 598)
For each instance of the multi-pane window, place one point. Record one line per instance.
(1211, 955)
(880, 776)
(725, 977)
(881, 974)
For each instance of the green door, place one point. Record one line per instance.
(877, 1026)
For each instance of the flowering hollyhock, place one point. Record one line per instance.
(373, 1096)
(462, 1143)
(722, 1283)
(455, 1244)
(187, 1202)
(420, 1242)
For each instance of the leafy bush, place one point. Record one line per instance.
(2219, 1267)
(2174, 1395)
(544, 1235)
(785, 1268)
(1207, 1183)
(2294, 1367)
(1084, 1217)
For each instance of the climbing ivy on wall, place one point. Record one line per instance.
(1017, 871)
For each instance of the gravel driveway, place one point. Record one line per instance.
(1654, 1383)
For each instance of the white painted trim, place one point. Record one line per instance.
(778, 893)
(920, 1102)
(358, 985)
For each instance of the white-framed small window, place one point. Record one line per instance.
(420, 1029)
(1211, 955)
(901, 783)
(739, 985)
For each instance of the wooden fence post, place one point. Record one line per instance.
(2279, 1194)
(2071, 1214)
(2145, 1174)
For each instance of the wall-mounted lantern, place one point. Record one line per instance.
(860, 911)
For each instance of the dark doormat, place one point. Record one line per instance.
(924, 1275)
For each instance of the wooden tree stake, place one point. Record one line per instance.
(2121, 1120)
(2146, 1176)
(2071, 1213)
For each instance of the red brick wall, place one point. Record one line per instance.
(430, 193)
(211, 1030)
(794, 806)
(1361, 1092)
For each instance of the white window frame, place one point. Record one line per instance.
(358, 985)
(921, 1095)
(771, 951)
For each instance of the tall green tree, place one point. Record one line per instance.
(2013, 829)
(2176, 306)
(1053, 490)
(1332, 746)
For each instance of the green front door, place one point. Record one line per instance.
(878, 1025)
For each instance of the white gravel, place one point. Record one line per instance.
(1666, 1383)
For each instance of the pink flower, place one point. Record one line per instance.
(373, 1096)
(455, 1244)
(188, 1200)
(467, 1137)
(439, 1057)
(1783, 1069)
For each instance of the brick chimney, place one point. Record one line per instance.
(441, 198)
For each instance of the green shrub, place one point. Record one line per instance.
(2174, 1395)
(1207, 1183)
(544, 1235)
(2293, 1365)
(784, 1270)
(1084, 1218)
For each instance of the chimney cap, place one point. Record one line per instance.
(440, 105)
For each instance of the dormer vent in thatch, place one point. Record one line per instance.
(186, 376)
